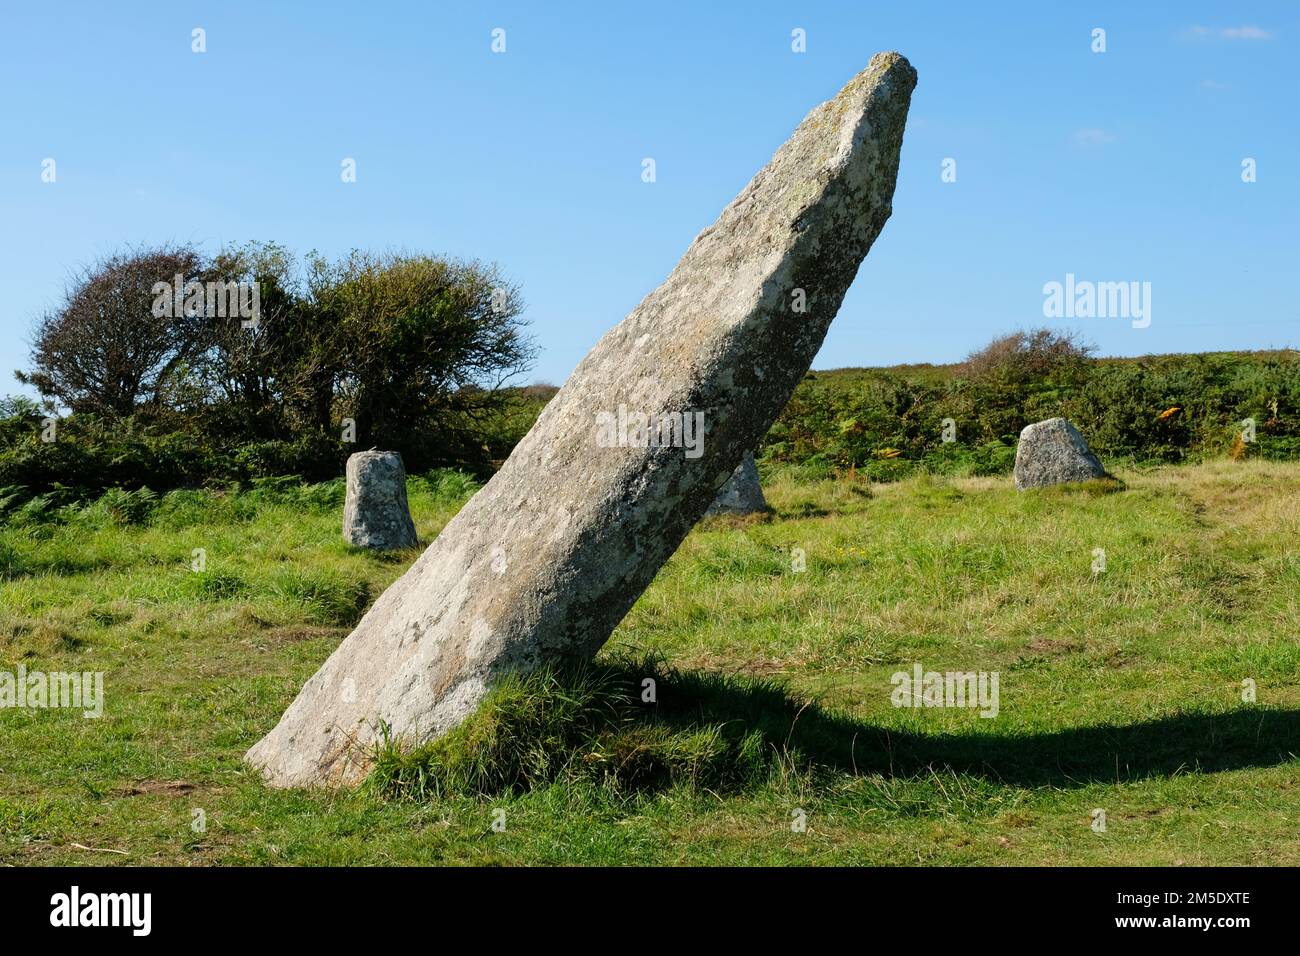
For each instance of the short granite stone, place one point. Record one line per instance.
(375, 513)
(1053, 452)
(742, 494)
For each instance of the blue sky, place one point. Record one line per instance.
(1115, 166)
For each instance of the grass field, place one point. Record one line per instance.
(1120, 691)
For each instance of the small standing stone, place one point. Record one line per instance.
(742, 494)
(1053, 453)
(375, 514)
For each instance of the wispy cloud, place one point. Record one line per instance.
(1246, 32)
(1214, 85)
(1092, 137)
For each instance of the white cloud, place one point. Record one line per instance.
(1092, 137)
(1245, 32)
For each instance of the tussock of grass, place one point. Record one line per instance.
(328, 598)
(217, 585)
(1093, 488)
(11, 562)
(590, 725)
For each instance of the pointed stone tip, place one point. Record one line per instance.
(892, 61)
(888, 77)
(890, 57)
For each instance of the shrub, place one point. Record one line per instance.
(313, 456)
(1151, 410)
(1039, 356)
(103, 349)
(447, 486)
(122, 508)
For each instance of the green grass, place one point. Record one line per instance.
(1120, 691)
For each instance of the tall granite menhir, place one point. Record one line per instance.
(545, 560)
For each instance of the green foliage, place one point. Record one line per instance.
(885, 424)
(419, 344)
(106, 348)
(889, 424)
(313, 455)
(188, 507)
(120, 508)
(91, 456)
(447, 485)
(412, 351)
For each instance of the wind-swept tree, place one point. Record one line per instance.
(102, 349)
(250, 367)
(421, 344)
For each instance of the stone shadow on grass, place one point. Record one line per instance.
(634, 726)
(1178, 743)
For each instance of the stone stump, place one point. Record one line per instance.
(1053, 452)
(375, 513)
(742, 494)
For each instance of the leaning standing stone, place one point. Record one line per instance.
(375, 514)
(742, 494)
(1053, 453)
(541, 565)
